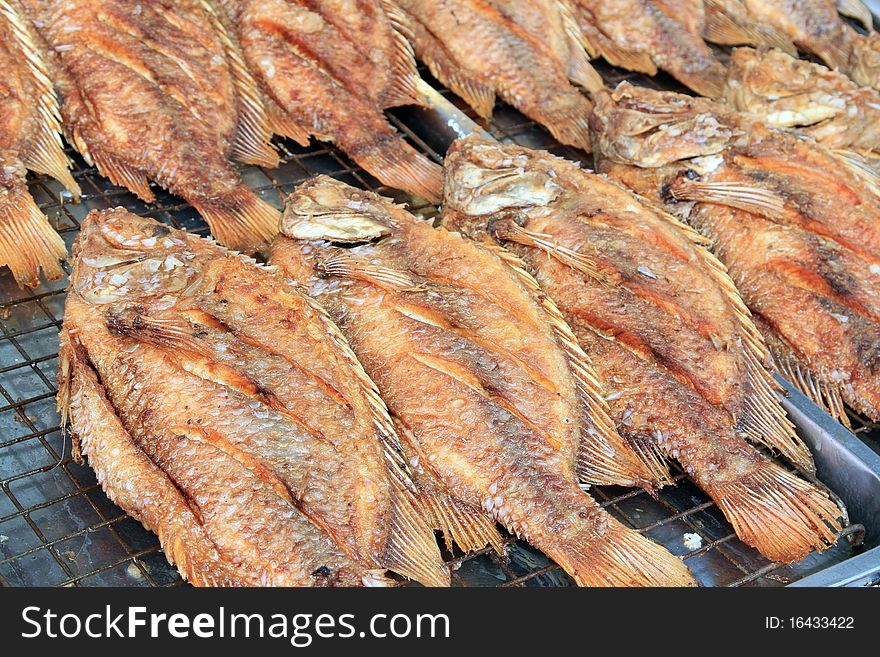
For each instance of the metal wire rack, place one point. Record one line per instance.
(57, 528)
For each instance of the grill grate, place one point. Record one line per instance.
(58, 528)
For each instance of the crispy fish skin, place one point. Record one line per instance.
(807, 271)
(329, 69)
(156, 91)
(653, 308)
(645, 35)
(517, 50)
(469, 363)
(29, 139)
(229, 385)
(791, 93)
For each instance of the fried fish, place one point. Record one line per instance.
(798, 230)
(223, 409)
(156, 90)
(481, 371)
(814, 26)
(791, 93)
(671, 341)
(329, 68)
(528, 52)
(644, 35)
(29, 139)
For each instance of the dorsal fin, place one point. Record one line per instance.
(405, 80)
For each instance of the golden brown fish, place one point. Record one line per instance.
(525, 51)
(644, 35)
(798, 230)
(814, 26)
(494, 394)
(156, 90)
(669, 336)
(223, 409)
(329, 68)
(792, 93)
(29, 139)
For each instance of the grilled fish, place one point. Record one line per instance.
(671, 341)
(29, 139)
(223, 409)
(798, 230)
(156, 90)
(792, 93)
(329, 69)
(644, 35)
(484, 375)
(527, 52)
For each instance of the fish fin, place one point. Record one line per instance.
(630, 60)
(510, 230)
(756, 200)
(397, 164)
(858, 10)
(464, 524)
(253, 135)
(27, 240)
(825, 396)
(580, 71)
(239, 219)
(861, 167)
(480, 97)
(763, 417)
(710, 82)
(121, 173)
(347, 266)
(604, 457)
(780, 515)
(467, 526)
(281, 123)
(174, 334)
(726, 30)
(411, 549)
(45, 152)
(621, 557)
(405, 86)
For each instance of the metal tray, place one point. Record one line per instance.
(58, 528)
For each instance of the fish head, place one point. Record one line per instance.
(121, 256)
(864, 60)
(651, 129)
(326, 209)
(783, 90)
(486, 180)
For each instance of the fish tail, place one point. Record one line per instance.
(240, 219)
(710, 82)
(28, 242)
(780, 515)
(620, 557)
(571, 125)
(411, 549)
(397, 164)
